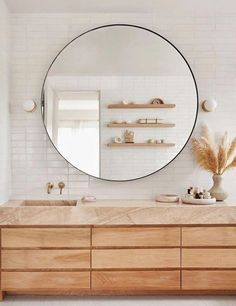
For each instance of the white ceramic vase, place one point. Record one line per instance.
(217, 190)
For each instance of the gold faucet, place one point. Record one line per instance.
(61, 185)
(49, 187)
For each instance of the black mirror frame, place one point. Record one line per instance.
(124, 25)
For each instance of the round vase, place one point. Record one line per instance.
(217, 190)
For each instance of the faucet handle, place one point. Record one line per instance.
(49, 187)
(61, 185)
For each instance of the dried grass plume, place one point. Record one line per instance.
(214, 156)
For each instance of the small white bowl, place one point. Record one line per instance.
(167, 198)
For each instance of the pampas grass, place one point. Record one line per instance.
(215, 157)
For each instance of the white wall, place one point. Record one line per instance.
(208, 43)
(4, 104)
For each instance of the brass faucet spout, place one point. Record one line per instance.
(49, 187)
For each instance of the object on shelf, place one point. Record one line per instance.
(142, 144)
(198, 201)
(158, 141)
(140, 125)
(167, 198)
(124, 102)
(129, 136)
(117, 139)
(88, 199)
(133, 105)
(150, 121)
(117, 121)
(162, 140)
(157, 101)
(151, 141)
(142, 121)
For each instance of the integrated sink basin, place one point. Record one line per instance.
(98, 203)
(118, 203)
(49, 203)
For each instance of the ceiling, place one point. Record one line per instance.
(162, 7)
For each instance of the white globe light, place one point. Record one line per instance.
(209, 105)
(29, 106)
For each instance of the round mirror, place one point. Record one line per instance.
(119, 102)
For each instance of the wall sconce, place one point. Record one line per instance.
(209, 105)
(29, 106)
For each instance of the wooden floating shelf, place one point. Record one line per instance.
(133, 106)
(141, 125)
(158, 145)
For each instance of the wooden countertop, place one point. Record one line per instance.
(113, 212)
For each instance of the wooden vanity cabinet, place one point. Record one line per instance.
(209, 258)
(136, 258)
(118, 260)
(36, 259)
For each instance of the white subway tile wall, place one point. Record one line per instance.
(4, 104)
(209, 45)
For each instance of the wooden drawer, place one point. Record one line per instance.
(209, 258)
(45, 280)
(45, 237)
(45, 259)
(136, 258)
(142, 280)
(209, 236)
(137, 236)
(209, 280)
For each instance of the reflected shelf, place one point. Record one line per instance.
(135, 106)
(142, 144)
(141, 125)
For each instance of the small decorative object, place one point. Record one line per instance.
(206, 195)
(215, 157)
(117, 140)
(162, 140)
(117, 121)
(209, 105)
(158, 141)
(88, 199)
(142, 121)
(129, 136)
(189, 200)
(124, 102)
(157, 101)
(151, 141)
(29, 106)
(151, 121)
(167, 198)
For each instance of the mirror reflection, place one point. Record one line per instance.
(119, 102)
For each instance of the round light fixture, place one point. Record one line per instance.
(209, 105)
(29, 106)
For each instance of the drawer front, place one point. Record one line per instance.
(45, 259)
(136, 258)
(153, 236)
(45, 237)
(209, 236)
(209, 280)
(45, 280)
(152, 280)
(209, 258)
